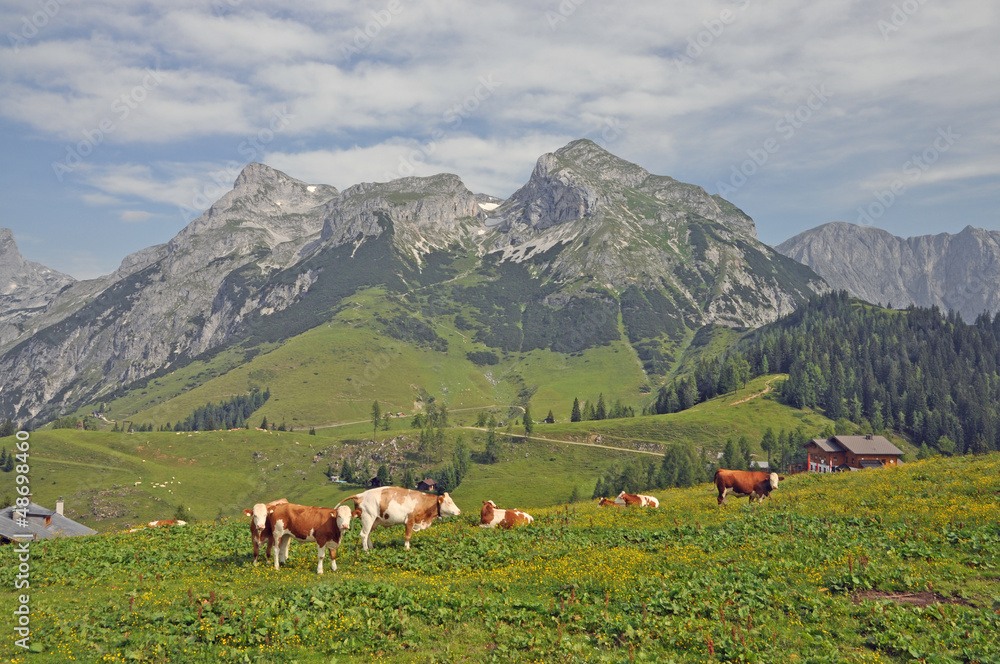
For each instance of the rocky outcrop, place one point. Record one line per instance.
(596, 218)
(163, 303)
(958, 272)
(26, 288)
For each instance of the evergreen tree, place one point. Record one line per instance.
(924, 452)
(529, 425)
(10, 463)
(492, 452)
(601, 411)
(599, 491)
(768, 443)
(263, 424)
(7, 428)
(409, 482)
(550, 418)
(383, 475)
(481, 418)
(575, 415)
(946, 445)
(376, 416)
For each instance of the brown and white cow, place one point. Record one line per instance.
(391, 506)
(637, 499)
(743, 483)
(258, 518)
(167, 522)
(491, 516)
(323, 525)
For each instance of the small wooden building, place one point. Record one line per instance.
(427, 484)
(847, 453)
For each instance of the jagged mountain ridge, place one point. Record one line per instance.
(588, 232)
(959, 272)
(26, 288)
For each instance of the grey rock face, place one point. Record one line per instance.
(958, 272)
(26, 288)
(164, 301)
(615, 223)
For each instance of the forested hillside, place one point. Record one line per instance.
(930, 376)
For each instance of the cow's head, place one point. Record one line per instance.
(258, 514)
(447, 506)
(344, 515)
(774, 480)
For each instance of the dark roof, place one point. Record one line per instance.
(871, 463)
(824, 444)
(427, 480)
(867, 445)
(858, 445)
(59, 526)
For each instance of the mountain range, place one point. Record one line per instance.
(959, 272)
(593, 251)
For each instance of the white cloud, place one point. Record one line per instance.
(132, 216)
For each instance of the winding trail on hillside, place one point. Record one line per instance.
(767, 388)
(568, 442)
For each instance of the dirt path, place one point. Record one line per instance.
(569, 442)
(767, 388)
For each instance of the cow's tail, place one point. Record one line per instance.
(356, 498)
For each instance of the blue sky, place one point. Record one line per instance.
(121, 121)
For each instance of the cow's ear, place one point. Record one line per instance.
(355, 514)
(440, 499)
(247, 512)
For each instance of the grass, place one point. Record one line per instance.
(891, 565)
(219, 473)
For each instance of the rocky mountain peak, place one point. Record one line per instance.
(959, 272)
(585, 156)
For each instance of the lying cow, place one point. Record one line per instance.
(323, 525)
(391, 505)
(638, 499)
(491, 516)
(741, 483)
(607, 502)
(258, 517)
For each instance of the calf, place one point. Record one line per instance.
(391, 505)
(323, 525)
(258, 517)
(491, 516)
(743, 483)
(636, 499)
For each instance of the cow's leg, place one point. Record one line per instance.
(332, 548)
(285, 541)
(367, 523)
(256, 547)
(320, 554)
(409, 531)
(277, 555)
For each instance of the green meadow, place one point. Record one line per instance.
(893, 565)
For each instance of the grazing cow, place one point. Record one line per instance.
(491, 516)
(323, 525)
(391, 505)
(743, 483)
(258, 518)
(638, 499)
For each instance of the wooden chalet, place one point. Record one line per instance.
(427, 484)
(848, 453)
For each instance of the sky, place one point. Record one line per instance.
(122, 121)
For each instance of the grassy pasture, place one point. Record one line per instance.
(894, 565)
